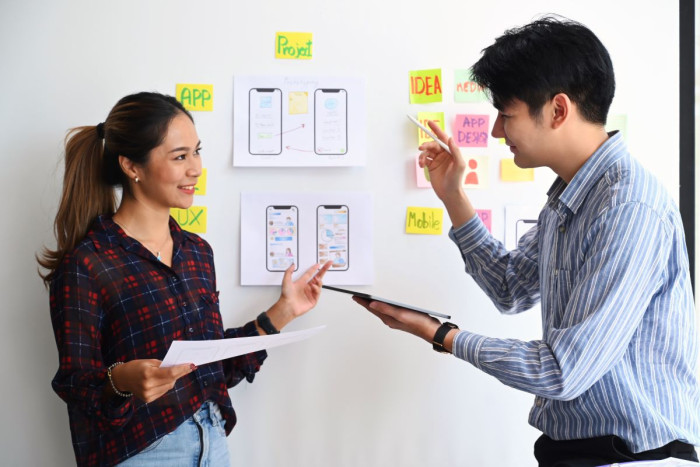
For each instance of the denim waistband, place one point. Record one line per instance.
(208, 411)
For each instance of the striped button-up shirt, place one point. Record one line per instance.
(619, 350)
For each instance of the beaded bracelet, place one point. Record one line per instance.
(114, 388)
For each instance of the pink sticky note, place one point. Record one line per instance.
(422, 180)
(485, 215)
(471, 131)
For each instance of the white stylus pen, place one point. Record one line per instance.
(429, 133)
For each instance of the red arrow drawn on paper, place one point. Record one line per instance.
(293, 129)
(297, 149)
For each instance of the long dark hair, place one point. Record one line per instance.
(135, 125)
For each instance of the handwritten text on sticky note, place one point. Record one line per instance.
(485, 216)
(471, 131)
(192, 219)
(466, 90)
(295, 45)
(196, 97)
(424, 118)
(425, 86)
(421, 220)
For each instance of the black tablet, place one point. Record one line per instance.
(386, 300)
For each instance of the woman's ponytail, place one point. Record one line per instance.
(85, 194)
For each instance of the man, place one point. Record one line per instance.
(614, 375)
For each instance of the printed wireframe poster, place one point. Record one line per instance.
(283, 121)
(279, 230)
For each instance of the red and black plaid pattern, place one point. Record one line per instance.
(112, 300)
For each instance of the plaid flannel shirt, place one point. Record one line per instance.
(112, 300)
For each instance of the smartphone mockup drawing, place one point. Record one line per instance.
(265, 121)
(330, 121)
(282, 232)
(333, 236)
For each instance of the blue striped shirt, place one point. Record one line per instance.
(608, 261)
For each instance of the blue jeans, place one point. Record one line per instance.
(199, 442)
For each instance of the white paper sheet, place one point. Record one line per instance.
(255, 247)
(202, 352)
(299, 121)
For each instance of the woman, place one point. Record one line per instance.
(125, 284)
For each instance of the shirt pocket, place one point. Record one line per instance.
(211, 315)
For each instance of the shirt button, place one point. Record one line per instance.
(562, 228)
(205, 383)
(556, 272)
(538, 402)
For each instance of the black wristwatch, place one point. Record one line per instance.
(266, 325)
(439, 338)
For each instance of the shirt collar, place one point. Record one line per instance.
(573, 194)
(115, 235)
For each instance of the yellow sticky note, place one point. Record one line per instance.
(425, 86)
(296, 45)
(201, 187)
(298, 102)
(192, 219)
(512, 173)
(423, 117)
(196, 96)
(427, 221)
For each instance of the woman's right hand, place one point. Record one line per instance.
(145, 379)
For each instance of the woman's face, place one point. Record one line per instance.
(167, 180)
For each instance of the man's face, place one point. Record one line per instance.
(525, 135)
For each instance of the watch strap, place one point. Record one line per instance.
(265, 324)
(440, 334)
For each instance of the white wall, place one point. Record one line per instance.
(359, 394)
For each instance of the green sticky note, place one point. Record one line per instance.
(425, 86)
(466, 90)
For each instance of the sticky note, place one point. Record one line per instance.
(425, 86)
(294, 45)
(512, 173)
(422, 175)
(477, 175)
(192, 219)
(298, 102)
(471, 131)
(466, 90)
(195, 97)
(485, 216)
(201, 187)
(427, 221)
(424, 117)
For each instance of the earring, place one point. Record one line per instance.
(136, 179)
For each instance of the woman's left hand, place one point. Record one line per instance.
(298, 296)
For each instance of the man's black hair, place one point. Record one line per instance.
(551, 55)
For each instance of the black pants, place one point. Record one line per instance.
(592, 452)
